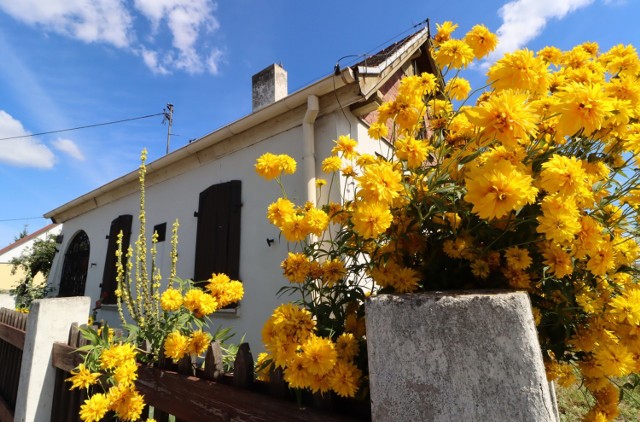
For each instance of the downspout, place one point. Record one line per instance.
(309, 149)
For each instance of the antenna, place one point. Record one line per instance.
(168, 117)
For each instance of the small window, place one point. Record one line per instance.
(74, 268)
(218, 232)
(161, 229)
(109, 283)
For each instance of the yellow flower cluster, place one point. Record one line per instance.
(118, 363)
(178, 345)
(308, 360)
(531, 185)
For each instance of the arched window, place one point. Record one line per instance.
(74, 269)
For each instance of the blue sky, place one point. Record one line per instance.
(70, 63)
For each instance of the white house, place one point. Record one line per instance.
(211, 187)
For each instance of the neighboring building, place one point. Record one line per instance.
(7, 280)
(211, 187)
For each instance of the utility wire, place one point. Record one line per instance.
(83, 127)
(21, 219)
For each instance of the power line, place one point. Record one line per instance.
(82, 127)
(20, 219)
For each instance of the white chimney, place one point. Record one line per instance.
(268, 86)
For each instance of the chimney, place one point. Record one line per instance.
(268, 86)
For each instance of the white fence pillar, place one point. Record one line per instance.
(7, 301)
(49, 321)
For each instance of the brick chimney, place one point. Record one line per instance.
(268, 86)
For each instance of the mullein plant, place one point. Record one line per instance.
(528, 183)
(170, 323)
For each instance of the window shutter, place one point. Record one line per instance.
(218, 233)
(109, 284)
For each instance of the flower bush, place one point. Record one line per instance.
(158, 324)
(528, 183)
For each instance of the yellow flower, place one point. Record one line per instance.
(175, 346)
(454, 53)
(444, 32)
(498, 190)
(345, 146)
(198, 343)
(332, 271)
(581, 106)
(560, 219)
(200, 303)
(126, 373)
(318, 355)
(171, 300)
(564, 176)
(458, 88)
(270, 166)
(296, 373)
(380, 182)
(519, 70)
(295, 267)
(331, 164)
(83, 377)
(370, 219)
(94, 408)
(481, 40)
(279, 211)
(224, 290)
(345, 379)
(378, 130)
(317, 221)
(295, 228)
(126, 401)
(116, 355)
(517, 258)
(412, 150)
(506, 117)
(550, 54)
(347, 347)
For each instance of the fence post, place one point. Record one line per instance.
(48, 322)
(7, 301)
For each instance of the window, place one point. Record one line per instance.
(218, 233)
(109, 284)
(74, 268)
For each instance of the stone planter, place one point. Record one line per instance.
(456, 356)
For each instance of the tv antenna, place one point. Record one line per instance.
(168, 117)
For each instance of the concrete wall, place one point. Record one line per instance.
(177, 198)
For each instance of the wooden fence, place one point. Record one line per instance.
(208, 395)
(12, 333)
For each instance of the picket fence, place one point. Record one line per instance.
(174, 389)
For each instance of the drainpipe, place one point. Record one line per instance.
(309, 150)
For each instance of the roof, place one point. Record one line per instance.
(27, 238)
(200, 151)
(389, 53)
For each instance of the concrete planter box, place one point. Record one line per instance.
(456, 356)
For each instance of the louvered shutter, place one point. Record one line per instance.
(218, 233)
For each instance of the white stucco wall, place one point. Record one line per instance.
(178, 198)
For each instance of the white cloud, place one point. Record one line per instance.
(524, 20)
(68, 147)
(22, 152)
(111, 22)
(105, 21)
(214, 60)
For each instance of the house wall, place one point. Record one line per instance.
(177, 198)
